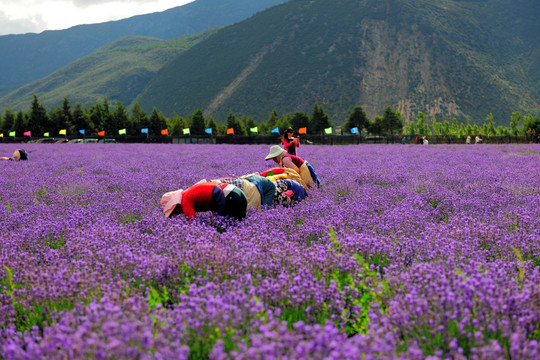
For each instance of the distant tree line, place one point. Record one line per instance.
(101, 116)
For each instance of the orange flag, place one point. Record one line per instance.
(165, 132)
(230, 131)
(101, 133)
(302, 130)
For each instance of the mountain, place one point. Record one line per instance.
(446, 58)
(118, 71)
(28, 57)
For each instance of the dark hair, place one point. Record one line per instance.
(23, 154)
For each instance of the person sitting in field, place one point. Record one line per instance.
(302, 167)
(18, 154)
(289, 142)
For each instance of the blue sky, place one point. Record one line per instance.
(35, 16)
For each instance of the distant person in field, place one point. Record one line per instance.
(477, 139)
(290, 143)
(301, 166)
(18, 155)
(468, 141)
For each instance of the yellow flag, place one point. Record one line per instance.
(62, 132)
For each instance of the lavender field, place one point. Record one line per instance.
(405, 252)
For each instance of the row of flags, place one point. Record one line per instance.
(186, 131)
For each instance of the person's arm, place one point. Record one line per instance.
(288, 163)
(4, 158)
(297, 141)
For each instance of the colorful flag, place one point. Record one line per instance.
(328, 131)
(186, 131)
(275, 131)
(165, 132)
(82, 131)
(302, 130)
(122, 132)
(354, 130)
(12, 133)
(46, 134)
(144, 131)
(62, 132)
(254, 129)
(230, 131)
(101, 133)
(2, 135)
(208, 131)
(27, 133)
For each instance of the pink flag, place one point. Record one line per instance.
(27, 133)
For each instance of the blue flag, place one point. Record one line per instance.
(81, 131)
(144, 131)
(354, 130)
(275, 131)
(208, 131)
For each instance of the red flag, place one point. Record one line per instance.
(230, 131)
(302, 130)
(165, 132)
(27, 133)
(101, 133)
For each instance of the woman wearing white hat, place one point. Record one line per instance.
(301, 166)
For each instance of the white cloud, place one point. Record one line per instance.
(21, 16)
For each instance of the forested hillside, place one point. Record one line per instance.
(446, 58)
(28, 57)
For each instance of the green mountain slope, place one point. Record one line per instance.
(445, 58)
(118, 71)
(29, 57)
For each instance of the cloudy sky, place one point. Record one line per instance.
(23, 16)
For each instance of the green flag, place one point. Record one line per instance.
(122, 132)
(12, 133)
(186, 131)
(254, 129)
(328, 131)
(46, 134)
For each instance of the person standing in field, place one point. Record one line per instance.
(289, 142)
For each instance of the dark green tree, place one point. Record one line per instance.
(82, 121)
(392, 122)
(272, 119)
(9, 120)
(197, 123)
(37, 117)
(299, 120)
(19, 125)
(157, 122)
(376, 127)
(319, 120)
(121, 117)
(212, 125)
(140, 120)
(358, 119)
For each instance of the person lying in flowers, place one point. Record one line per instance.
(218, 197)
(18, 154)
(288, 192)
(296, 163)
